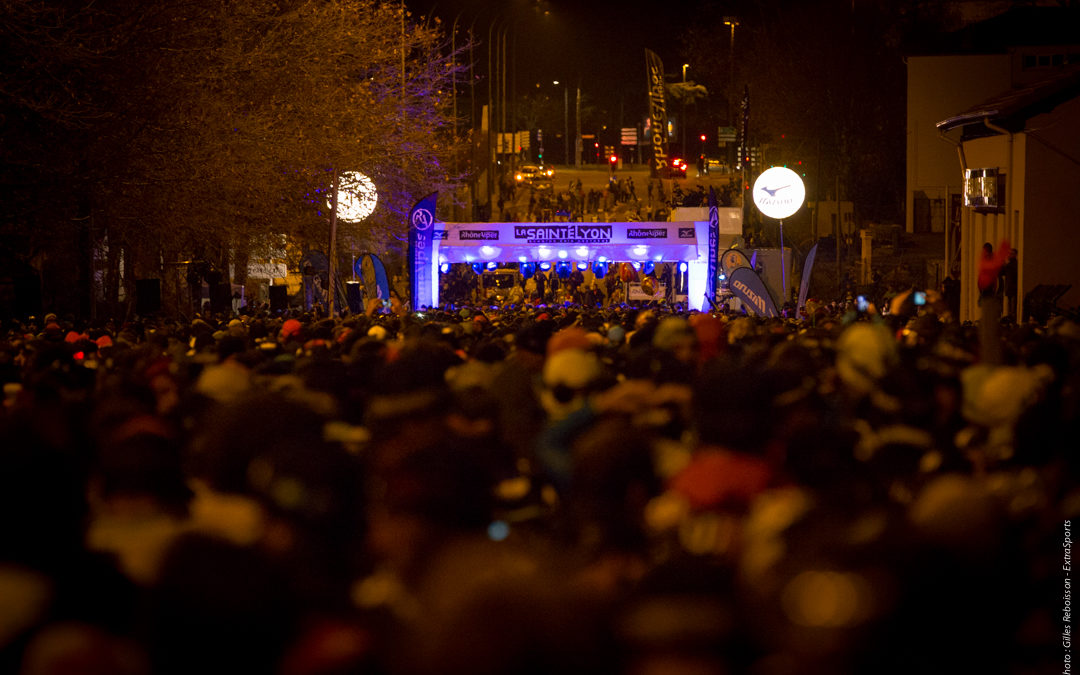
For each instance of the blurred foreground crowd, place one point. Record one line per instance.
(536, 490)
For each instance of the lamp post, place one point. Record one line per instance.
(566, 122)
(682, 122)
(732, 22)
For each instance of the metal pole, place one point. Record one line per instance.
(783, 268)
(566, 122)
(490, 120)
(332, 255)
(577, 129)
(839, 280)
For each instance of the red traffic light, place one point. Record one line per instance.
(702, 138)
(613, 159)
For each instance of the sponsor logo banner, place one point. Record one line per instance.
(733, 259)
(646, 233)
(654, 73)
(478, 235)
(687, 233)
(421, 218)
(714, 244)
(748, 287)
(570, 233)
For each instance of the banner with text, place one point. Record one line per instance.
(748, 287)
(421, 236)
(510, 242)
(654, 72)
(714, 245)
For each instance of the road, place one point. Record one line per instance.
(597, 177)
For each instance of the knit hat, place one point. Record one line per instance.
(290, 328)
(573, 368)
(573, 337)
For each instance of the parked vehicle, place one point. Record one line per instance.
(540, 177)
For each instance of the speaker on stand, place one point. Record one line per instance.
(279, 298)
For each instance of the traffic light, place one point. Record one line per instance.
(613, 159)
(702, 138)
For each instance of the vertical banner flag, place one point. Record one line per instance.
(654, 71)
(714, 245)
(807, 270)
(373, 273)
(733, 259)
(748, 287)
(421, 235)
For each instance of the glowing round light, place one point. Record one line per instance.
(562, 255)
(545, 266)
(683, 266)
(636, 265)
(444, 268)
(583, 266)
(641, 250)
(779, 192)
(582, 251)
(357, 197)
(487, 251)
(522, 258)
(492, 265)
(602, 259)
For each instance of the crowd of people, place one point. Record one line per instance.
(619, 201)
(536, 489)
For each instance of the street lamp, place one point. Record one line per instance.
(682, 122)
(732, 22)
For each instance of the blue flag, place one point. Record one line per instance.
(369, 268)
(714, 244)
(748, 287)
(421, 236)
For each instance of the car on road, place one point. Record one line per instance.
(540, 177)
(716, 165)
(677, 168)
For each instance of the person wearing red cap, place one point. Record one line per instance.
(990, 265)
(290, 330)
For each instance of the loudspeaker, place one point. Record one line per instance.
(354, 297)
(147, 296)
(279, 298)
(221, 298)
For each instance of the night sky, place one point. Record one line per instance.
(600, 43)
